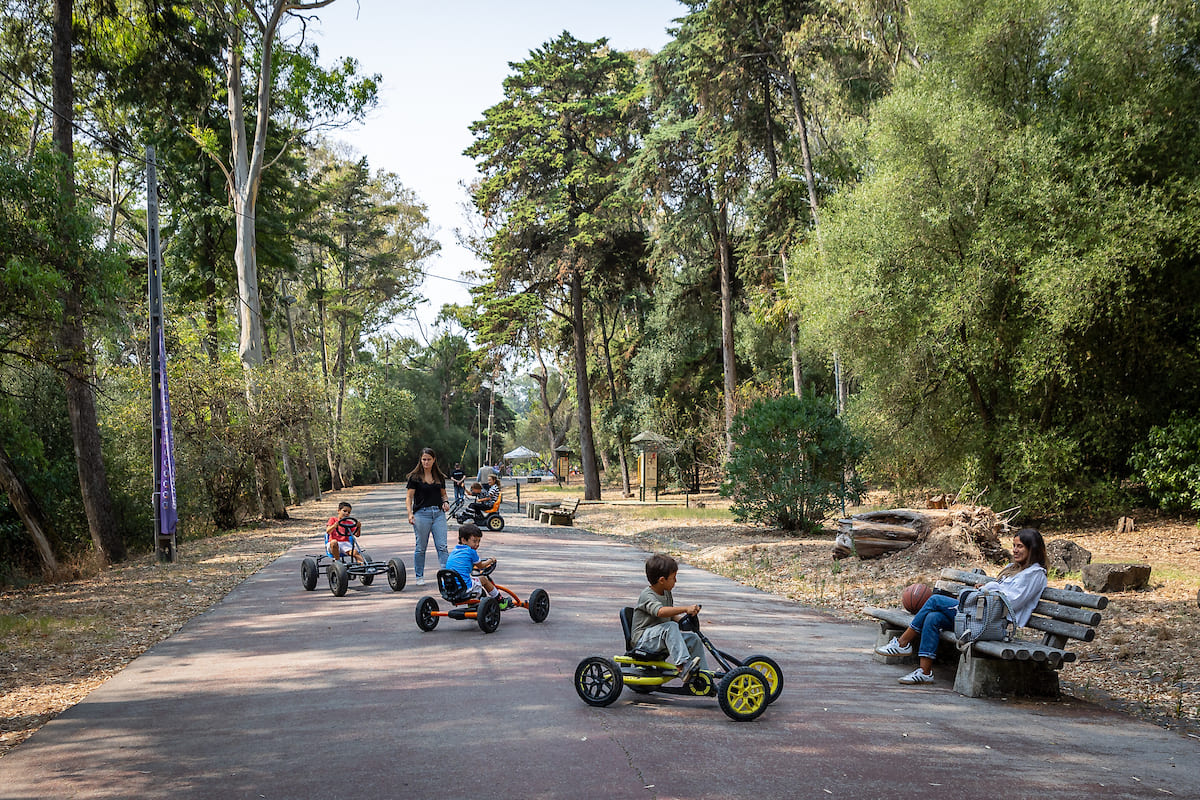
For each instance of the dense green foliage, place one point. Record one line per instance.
(1168, 463)
(975, 223)
(793, 462)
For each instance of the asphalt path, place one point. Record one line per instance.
(276, 692)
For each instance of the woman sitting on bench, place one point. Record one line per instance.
(1021, 582)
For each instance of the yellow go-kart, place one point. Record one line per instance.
(743, 687)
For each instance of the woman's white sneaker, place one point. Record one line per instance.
(894, 648)
(917, 676)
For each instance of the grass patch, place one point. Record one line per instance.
(57, 633)
(678, 512)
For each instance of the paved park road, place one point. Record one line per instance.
(281, 693)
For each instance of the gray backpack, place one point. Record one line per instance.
(982, 617)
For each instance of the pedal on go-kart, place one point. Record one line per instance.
(743, 687)
(484, 610)
(344, 568)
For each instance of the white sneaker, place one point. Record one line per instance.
(894, 648)
(917, 676)
(421, 582)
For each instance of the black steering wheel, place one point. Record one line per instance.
(690, 622)
(349, 526)
(488, 570)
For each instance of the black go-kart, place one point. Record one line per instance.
(487, 519)
(743, 687)
(484, 610)
(343, 569)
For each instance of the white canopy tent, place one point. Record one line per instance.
(520, 454)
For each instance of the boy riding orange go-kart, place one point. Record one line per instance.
(466, 584)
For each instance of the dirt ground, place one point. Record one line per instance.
(58, 642)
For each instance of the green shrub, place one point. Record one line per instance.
(790, 463)
(1168, 462)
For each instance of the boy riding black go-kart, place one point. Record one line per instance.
(488, 518)
(743, 687)
(344, 568)
(484, 610)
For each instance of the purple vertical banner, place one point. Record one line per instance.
(169, 514)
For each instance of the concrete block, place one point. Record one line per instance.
(992, 677)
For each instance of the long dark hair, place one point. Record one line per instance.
(418, 471)
(1035, 545)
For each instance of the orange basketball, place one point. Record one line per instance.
(915, 596)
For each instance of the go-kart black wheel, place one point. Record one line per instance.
(598, 681)
(339, 578)
(495, 522)
(367, 578)
(742, 694)
(397, 576)
(539, 605)
(487, 614)
(309, 573)
(770, 672)
(426, 621)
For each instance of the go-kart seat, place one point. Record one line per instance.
(626, 616)
(495, 506)
(452, 586)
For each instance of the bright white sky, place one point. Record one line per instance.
(443, 62)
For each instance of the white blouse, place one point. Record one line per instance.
(1022, 590)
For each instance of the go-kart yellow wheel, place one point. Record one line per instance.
(701, 684)
(598, 681)
(742, 694)
(770, 672)
(495, 522)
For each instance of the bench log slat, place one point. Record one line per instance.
(1067, 598)
(1067, 614)
(1016, 650)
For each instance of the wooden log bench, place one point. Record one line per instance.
(563, 514)
(534, 508)
(1028, 665)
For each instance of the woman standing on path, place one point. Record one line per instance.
(427, 506)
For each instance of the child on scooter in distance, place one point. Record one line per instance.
(656, 619)
(465, 558)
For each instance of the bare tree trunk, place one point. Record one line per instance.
(81, 405)
(587, 444)
(27, 508)
(289, 473)
(622, 434)
(725, 264)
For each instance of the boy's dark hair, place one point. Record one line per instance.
(660, 565)
(344, 505)
(468, 530)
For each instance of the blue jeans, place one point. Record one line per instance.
(459, 492)
(936, 615)
(426, 521)
(681, 646)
